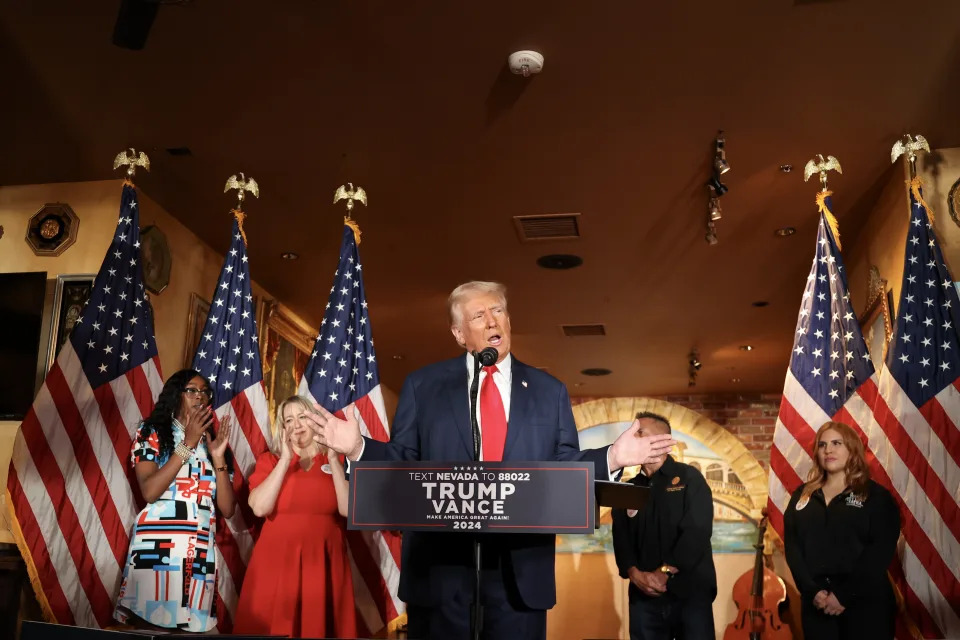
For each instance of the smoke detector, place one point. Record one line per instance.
(525, 63)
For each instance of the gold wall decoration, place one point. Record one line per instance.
(953, 202)
(876, 322)
(156, 259)
(196, 318)
(52, 229)
(286, 343)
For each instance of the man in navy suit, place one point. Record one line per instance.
(432, 422)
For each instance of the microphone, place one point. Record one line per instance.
(488, 357)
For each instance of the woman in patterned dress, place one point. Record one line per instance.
(170, 573)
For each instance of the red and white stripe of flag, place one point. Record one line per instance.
(69, 488)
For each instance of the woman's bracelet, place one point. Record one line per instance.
(183, 451)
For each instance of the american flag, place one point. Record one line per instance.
(343, 369)
(70, 494)
(830, 377)
(915, 439)
(229, 357)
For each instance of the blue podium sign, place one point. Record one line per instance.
(495, 497)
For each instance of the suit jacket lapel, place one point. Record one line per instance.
(459, 396)
(520, 401)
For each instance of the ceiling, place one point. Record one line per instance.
(413, 101)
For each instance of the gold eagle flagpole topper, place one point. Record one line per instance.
(241, 184)
(351, 195)
(910, 145)
(132, 160)
(821, 166)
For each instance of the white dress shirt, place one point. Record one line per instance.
(503, 378)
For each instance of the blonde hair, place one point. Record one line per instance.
(469, 289)
(857, 472)
(276, 429)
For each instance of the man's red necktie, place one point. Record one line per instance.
(493, 419)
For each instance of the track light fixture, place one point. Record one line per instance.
(718, 187)
(713, 208)
(720, 164)
(711, 236)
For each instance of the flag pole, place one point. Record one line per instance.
(241, 184)
(821, 166)
(351, 195)
(910, 145)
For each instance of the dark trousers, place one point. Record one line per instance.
(667, 617)
(872, 618)
(504, 615)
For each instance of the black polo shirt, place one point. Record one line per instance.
(674, 528)
(844, 547)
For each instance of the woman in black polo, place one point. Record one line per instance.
(841, 531)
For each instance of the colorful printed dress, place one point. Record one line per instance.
(170, 573)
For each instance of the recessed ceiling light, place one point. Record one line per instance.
(596, 372)
(760, 303)
(289, 255)
(786, 168)
(398, 357)
(734, 379)
(559, 261)
(783, 232)
(746, 347)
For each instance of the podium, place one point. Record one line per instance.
(483, 497)
(489, 497)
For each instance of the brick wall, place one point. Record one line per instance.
(749, 416)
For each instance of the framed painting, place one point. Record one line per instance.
(876, 322)
(69, 298)
(285, 346)
(196, 317)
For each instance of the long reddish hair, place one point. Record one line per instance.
(857, 472)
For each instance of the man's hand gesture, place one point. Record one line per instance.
(343, 436)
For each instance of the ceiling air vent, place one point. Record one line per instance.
(553, 226)
(577, 330)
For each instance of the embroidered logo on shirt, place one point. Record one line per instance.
(853, 500)
(676, 480)
(803, 502)
(679, 487)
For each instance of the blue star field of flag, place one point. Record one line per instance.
(343, 365)
(924, 354)
(114, 334)
(228, 355)
(830, 358)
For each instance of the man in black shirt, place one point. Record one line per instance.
(664, 550)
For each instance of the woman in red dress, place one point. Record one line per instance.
(298, 581)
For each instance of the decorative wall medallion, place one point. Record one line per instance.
(52, 229)
(156, 258)
(953, 200)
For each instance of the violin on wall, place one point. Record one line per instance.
(758, 594)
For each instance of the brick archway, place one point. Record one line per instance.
(688, 422)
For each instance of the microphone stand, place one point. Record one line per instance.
(476, 610)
